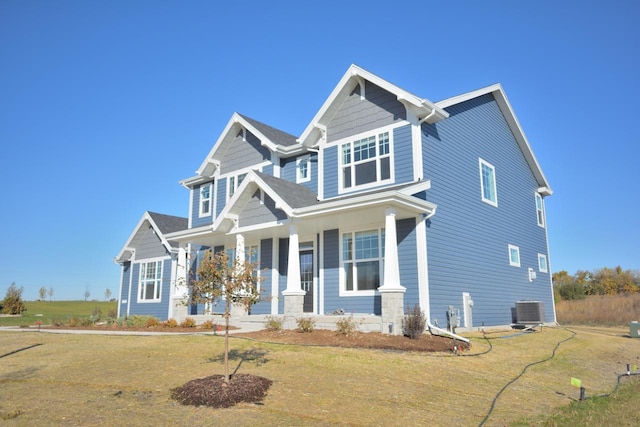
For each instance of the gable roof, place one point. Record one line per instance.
(505, 107)
(162, 224)
(422, 107)
(274, 139)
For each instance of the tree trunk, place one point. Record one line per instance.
(226, 341)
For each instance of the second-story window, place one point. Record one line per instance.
(366, 161)
(303, 168)
(488, 183)
(540, 210)
(205, 199)
(234, 183)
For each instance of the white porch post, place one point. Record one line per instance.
(293, 295)
(180, 286)
(238, 309)
(391, 292)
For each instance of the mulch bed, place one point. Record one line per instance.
(212, 391)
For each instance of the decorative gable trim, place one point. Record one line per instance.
(421, 107)
(127, 253)
(507, 111)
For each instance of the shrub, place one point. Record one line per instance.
(305, 324)
(414, 322)
(12, 303)
(572, 291)
(151, 322)
(74, 322)
(189, 322)
(207, 324)
(138, 321)
(170, 323)
(274, 324)
(347, 325)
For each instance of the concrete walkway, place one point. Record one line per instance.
(117, 332)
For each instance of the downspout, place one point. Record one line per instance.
(427, 117)
(432, 328)
(444, 332)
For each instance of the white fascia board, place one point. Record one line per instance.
(127, 246)
(393, 197)
(509, 115)
(231, 210)
(349, 80)
(235, 118)
(183, 236)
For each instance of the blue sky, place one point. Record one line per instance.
(105, 106)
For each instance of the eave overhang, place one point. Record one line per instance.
(507, 111)
(422, 107)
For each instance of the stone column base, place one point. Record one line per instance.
(293, 304)
(180, 309)
(392, 304)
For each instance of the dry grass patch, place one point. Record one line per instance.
(106, 380)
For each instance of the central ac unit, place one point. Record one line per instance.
(528, 312)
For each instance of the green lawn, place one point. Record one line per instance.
(49, 311)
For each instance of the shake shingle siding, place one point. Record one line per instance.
(356, 115)
(149, 245)
(468, 239)
(240, 154)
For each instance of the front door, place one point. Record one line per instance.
(306, 279)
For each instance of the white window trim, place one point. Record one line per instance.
(511, 262)
(202, 212)
(357, 137)
(231, 252)
(482, 162)
(546, 263)
(306, 159)
(540, 214)
(343, 292)
(139, 290)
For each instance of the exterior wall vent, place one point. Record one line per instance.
(528, 312)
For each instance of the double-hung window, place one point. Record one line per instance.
(234, 183)
(366, 161)
(205, 199)
(540, 210)
(363, 260)
(488, 183)
(514, 256)
(303, 169)
(150, 280)
(543, 267)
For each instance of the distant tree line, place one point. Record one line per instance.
(603, 281)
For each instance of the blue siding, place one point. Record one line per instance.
(468, 239)
(124, 288)
(221, 199)
(332, 300)
(266, 264)
(158, 309)
(408, 260)
(196, 220)
(268, 169)
(288, 171)
(403, 154)
(283, 263)
(330, 159)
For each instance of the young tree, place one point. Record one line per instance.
(87, 294)
(107, 294)
(51, 292)
(43, 293)
(235, 281)
(12, 303)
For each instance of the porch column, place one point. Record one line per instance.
(293, 295)
(238, 309)
(180, 285)
(392, 292)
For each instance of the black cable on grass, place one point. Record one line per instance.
(553, 354)
(19, 350)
